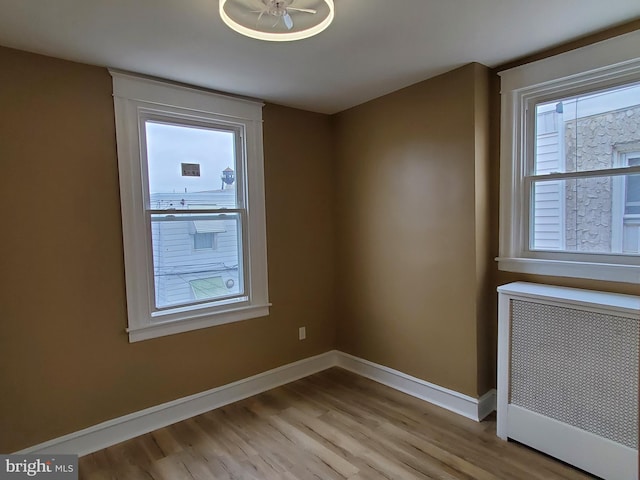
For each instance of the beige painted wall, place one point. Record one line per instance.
(413, 233)
(66, 361)
(486, 366)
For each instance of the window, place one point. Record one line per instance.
(204, 241)
(205, 232)
(192, 196)
(570, 175)
(632, 190)
(626, 201)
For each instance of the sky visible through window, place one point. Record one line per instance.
(168, 146)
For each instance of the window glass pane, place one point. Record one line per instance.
(190, 167)
(203, 240)
(632, 195)
(584, 215)
(548, 217)
(191, 249)
(586, 132)
(204, 288)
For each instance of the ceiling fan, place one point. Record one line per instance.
(273, 20)
(280, 10)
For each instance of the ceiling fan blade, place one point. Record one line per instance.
(288, 22)
(305, 10)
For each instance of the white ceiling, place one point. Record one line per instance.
(372, 48)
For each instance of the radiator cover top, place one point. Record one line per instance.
(577, 367)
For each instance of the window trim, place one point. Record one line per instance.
(608, 63)
(137, 99)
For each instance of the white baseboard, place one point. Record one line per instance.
(473, 408)
(117, 430)
(114, 431)
(486, 404)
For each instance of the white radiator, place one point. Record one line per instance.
(568, 375)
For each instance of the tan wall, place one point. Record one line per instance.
(66, 362)
(408, 270)
(485, 321)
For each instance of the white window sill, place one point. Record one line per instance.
(609, 272)
(171, 327)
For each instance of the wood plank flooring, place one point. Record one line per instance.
(332, 425)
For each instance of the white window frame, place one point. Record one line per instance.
(605, 64)
(136, 99)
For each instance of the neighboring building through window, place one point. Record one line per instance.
(191, 171)
(583, 136)
(569, 159)
(186, 249)
(630, 241)
(632, 189)
(204, 241)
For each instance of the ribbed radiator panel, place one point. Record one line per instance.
(577, 367)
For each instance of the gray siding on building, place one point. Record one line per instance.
(177, 261)
(548, 226)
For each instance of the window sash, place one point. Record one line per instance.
(178, 120)
(153, 216)
(617, 221)
(524, 228)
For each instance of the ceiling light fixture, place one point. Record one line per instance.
(277, 20)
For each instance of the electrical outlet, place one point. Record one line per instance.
(302, 333)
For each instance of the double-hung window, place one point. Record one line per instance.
(192, 196)
(570, 164)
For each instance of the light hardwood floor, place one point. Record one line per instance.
(332, 425)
